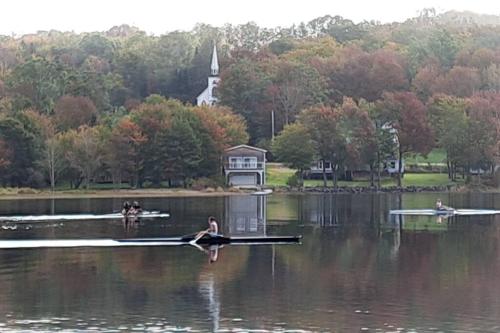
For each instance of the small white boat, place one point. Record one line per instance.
(78, 217)
(263, 192)
(444, 212)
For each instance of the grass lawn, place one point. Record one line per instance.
(277, 175)
(436, 156)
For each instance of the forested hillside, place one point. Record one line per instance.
(82, 107)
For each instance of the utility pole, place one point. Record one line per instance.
(272, 125)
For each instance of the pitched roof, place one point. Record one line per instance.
(248, 147)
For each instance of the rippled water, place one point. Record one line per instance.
(358, 269)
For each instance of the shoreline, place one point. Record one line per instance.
(97, 194)
(209, 192)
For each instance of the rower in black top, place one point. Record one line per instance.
(126, 208)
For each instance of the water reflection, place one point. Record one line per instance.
(208, 289)
(246, 215)
(356, 269)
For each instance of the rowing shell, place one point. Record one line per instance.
(175, 241)
(78, 217)
(444, 212)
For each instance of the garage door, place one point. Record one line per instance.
(239, 180)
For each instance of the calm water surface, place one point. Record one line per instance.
(357, 269)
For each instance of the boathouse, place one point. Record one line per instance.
(245, 166)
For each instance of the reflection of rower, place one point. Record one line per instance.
(213, 230)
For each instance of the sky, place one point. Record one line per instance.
(162, 16)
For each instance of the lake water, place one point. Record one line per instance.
(357, 269)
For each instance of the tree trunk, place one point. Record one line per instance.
(372, 176)
(324, 174)
(400, 167)
(335, 176)
(379, 181)
(451, 175)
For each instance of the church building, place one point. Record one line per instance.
(207, 97)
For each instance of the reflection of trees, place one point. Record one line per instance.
(433, 276)
(118, 280)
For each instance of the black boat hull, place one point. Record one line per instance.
(141, 242)
(219, 239)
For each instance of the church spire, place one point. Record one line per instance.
(214, 67)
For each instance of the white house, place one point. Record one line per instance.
(207, 97)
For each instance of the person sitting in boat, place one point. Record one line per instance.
(213, 230)
(135, 209)
(440, 206)
(126, 208)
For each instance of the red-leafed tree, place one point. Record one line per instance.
(407, 115)
(323, 124)
(425, 80)
(358, 131)
(459, 81)
(362, 75)
(123, 153)
(71, 112)
(483, 110)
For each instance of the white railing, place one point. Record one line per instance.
(244, 165)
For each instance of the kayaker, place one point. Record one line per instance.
(213, 230)
(135, 209)
(126, 208)
(440, 206)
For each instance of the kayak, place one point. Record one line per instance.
(446, 212)
(79, 217)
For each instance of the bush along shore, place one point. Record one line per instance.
(386, 189)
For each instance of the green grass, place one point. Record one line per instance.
(436, 156)
(277, 175)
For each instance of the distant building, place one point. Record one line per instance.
(315, 171)
(245, 166)
(208, 96)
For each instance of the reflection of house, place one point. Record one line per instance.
(207, 97)
(246, 215)
(245, 166)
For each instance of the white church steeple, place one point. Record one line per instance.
(207, 97)
(214, 67)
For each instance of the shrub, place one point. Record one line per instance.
(204, 182)
(294, 181)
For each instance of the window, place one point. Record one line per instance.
(250, 162)
(243, 162)
(235, 162)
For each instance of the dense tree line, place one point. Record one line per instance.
(79, 107)
(159, 140)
